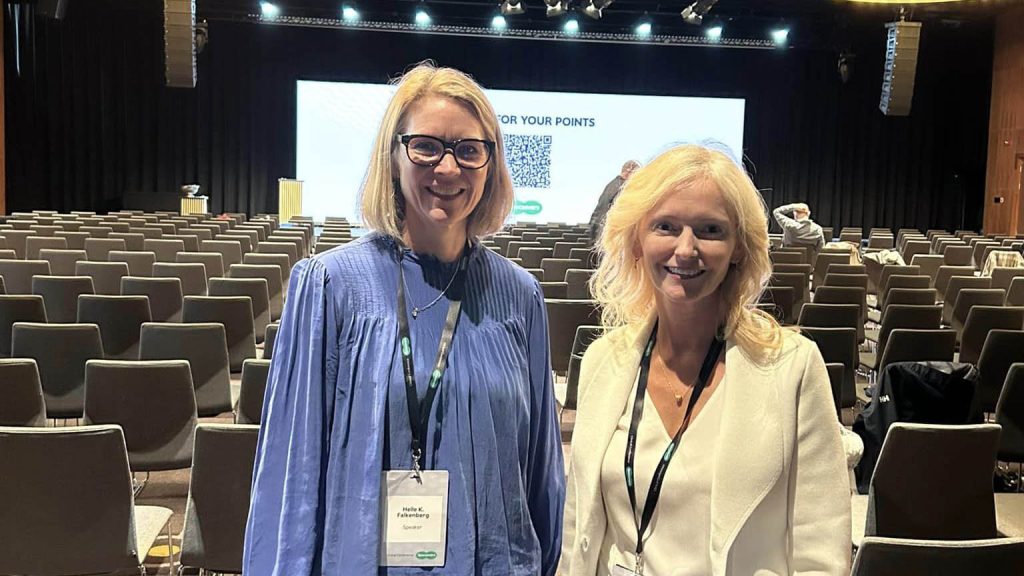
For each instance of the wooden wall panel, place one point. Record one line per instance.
(1006, 128)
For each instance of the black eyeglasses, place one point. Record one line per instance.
(469, 153)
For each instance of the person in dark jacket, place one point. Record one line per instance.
(611, 192)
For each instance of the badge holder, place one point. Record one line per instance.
(414, 517)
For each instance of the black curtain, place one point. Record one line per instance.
(89, 119)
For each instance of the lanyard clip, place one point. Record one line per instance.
(417, 454)
(639, 564)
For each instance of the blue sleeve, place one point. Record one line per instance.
(285, 531)
(546, 473)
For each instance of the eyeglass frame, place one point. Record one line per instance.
(404, 139)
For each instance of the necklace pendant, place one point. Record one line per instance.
(679, 399)
(415, 312)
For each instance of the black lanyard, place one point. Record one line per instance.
(654, 493)
(419, 413)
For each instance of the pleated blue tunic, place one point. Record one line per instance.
(335, 417)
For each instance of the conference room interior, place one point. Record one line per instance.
(110, 272)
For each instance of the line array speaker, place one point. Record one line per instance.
(180, 43)
(900, 67)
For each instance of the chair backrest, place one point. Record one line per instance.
(848, 280)
(60, 295)
(1015, 294)
(944, 273)
(585, 336)
(564, 317)
(845, 268)
(912, 248)
(957, 254)
(99, 249)
(235, 313)
(152, 401)
(245, 242)
(119, 319)
(275, 283)
(826, 259)
(896, 281)
(165, 250)
(217, 508)
(578, 280)
(165, 297)
(62, 262)
(956, 284)
(830, 315)
(907, 557)
(17, 274)
(779, 301)
(204, 345)
(1000, 350)
(133, 241)
(18, 308)
(838, 345)
(532, 256)
(798, 282)
(213, 261)
(140, 263)
(33, 244)
(255, 289)
(957, 501)
(555, 290)
(786, 257)
(60, 352)
(70, 486)
(1002, 276)
(891, 270)
(230, 250)
(254, 386)
(1010, 415)
(913, 345)
(969, 299)
(106, 276)
(919, 296)
(554, 268)
(192, 276)
(929, 265)
(268, 342)
(22, 393)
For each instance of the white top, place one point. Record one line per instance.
(678, 540)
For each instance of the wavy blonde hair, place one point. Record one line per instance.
(381, 199)
(625, 291)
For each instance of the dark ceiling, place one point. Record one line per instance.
(814, 23)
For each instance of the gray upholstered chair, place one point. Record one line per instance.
(911, 557)
(18, 308)
(17, 274)
(235, 313)
(106, 276)
(268, 342)
(256, 290)
(191, 275)
(22, 393)
(119, 319)
(140, 263)
(72, 487)
(60, 352)
(165, 298)
(204, 345)
(254, 386)
(213, 262)
(62, 262)
(275, 284)
(60, 295)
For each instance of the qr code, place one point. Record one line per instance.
(529, 160)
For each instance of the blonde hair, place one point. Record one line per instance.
(623, 289)
(381, 199)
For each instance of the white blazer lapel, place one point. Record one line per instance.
(750, 451)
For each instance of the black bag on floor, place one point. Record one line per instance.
(921, 392)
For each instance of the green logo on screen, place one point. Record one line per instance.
(528, 207)
(426, 555)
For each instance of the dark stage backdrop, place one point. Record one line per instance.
(89, 120)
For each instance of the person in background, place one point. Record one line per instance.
(409, 422)
(706, 438)
(799, 229)
(611, 191)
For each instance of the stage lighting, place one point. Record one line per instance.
(498, 22)
(571, 26)
(643, 28)
(556, 7)
(512, 7)
(594, 8)
(269, 10)
(780, 36)
(714, 33)
(695, 13)
(422, 16)
(349, 14)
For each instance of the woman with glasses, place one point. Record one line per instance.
(409, 421)
(706, 437)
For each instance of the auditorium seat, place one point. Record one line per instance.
(21, 392)
(213, 261)
(192, 276)
(253, 288)
(165, 296)
(119, 319)
(235, 313)
(204, 345)
(98, 249)
(33, 244)
(62, 262)
(230, 250)
(60, 295)
(60, 352)
(17, 274)
(106, 276)
(253, 388)
(270, 273)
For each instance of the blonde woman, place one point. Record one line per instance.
(409, 425)
(706, 439)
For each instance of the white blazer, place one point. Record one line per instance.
(780, 495)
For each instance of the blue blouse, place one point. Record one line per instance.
(335, 417)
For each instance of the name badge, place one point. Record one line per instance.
(414, 518)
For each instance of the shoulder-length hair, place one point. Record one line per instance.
(623, 289)
(383, 206)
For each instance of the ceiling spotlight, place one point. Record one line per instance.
(571, 26)
(643, 28)
(714, 33)
(557, 7)
(512, 7)
(269, 10)
(594, 7)
(780, 36)
(498, 22)
(422, 17)
(695, 13)
(349, 14)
